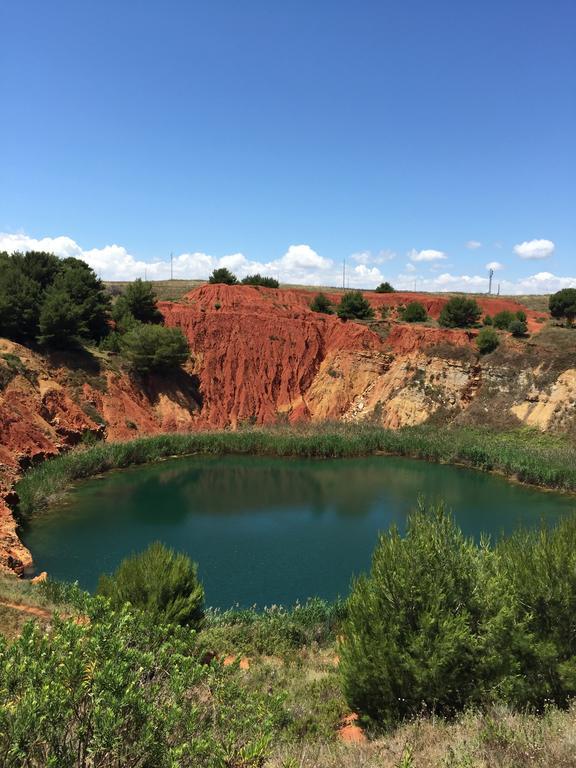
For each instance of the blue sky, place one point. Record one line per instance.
(418, 140)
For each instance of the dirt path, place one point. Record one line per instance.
(32, 610)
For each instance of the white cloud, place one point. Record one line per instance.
(301, 264)
(367, 257)
(428, 254)
(495, 265)
(542, 282)
(472, 245)
(534, 249)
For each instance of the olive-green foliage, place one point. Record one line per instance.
(223, 275)
(537, 573)
(411, 636)
(503, 319)
(518, 328)
(154, 348)
(384, 288)
(414, 312)
(487, 340)
(488, 320)
(273, 631)
(353, 306)
(258, 279)
(441, 623)
(55, 301)
(139, 302)
(563, 304)
(521, 315)
(119, 689)
(159, 581)
(460, 312)
(321, 303)
(532, 457)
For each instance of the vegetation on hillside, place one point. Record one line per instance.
(460, 312)
(384, 288)
(258, 279)
(223, 275)
(56, 302)
(487, 340)
(562, 305)
(321, 303)
(353, 306)
(414, 312)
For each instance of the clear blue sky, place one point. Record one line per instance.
(381, 128)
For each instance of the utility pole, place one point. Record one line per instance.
(498, 289)
(171, 266)
(490, 283)
(344, 273)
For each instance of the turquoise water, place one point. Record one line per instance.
(268, 530)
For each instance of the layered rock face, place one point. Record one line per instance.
(261, 356)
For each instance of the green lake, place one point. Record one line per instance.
(268, 530)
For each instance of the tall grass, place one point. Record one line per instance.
(528, 455)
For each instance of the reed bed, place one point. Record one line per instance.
(526, 455)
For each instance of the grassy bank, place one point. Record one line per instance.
(529, 456)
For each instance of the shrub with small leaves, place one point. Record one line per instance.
(161, 582)
(321, 303)
(353, 306)
(487, 340)
(518, 328)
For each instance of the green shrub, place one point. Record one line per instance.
(321, 303)
(353, 306)
(487, 340)
(521, 315)
(159, 581)
(538, 584)
(258, 279)
(385, 288)
(139, 302)
(503, 319)
(488, 320)
(460, 312)
(411, 635)
(518, 328)
(55, 301)
(118, 689)
(154, 348)
(414, 312)
(563, 304)
(223, 275)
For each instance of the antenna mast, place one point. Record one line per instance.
(490, 283)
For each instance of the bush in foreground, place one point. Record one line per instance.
(441, 624)
(119, 689)
(159, 581)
